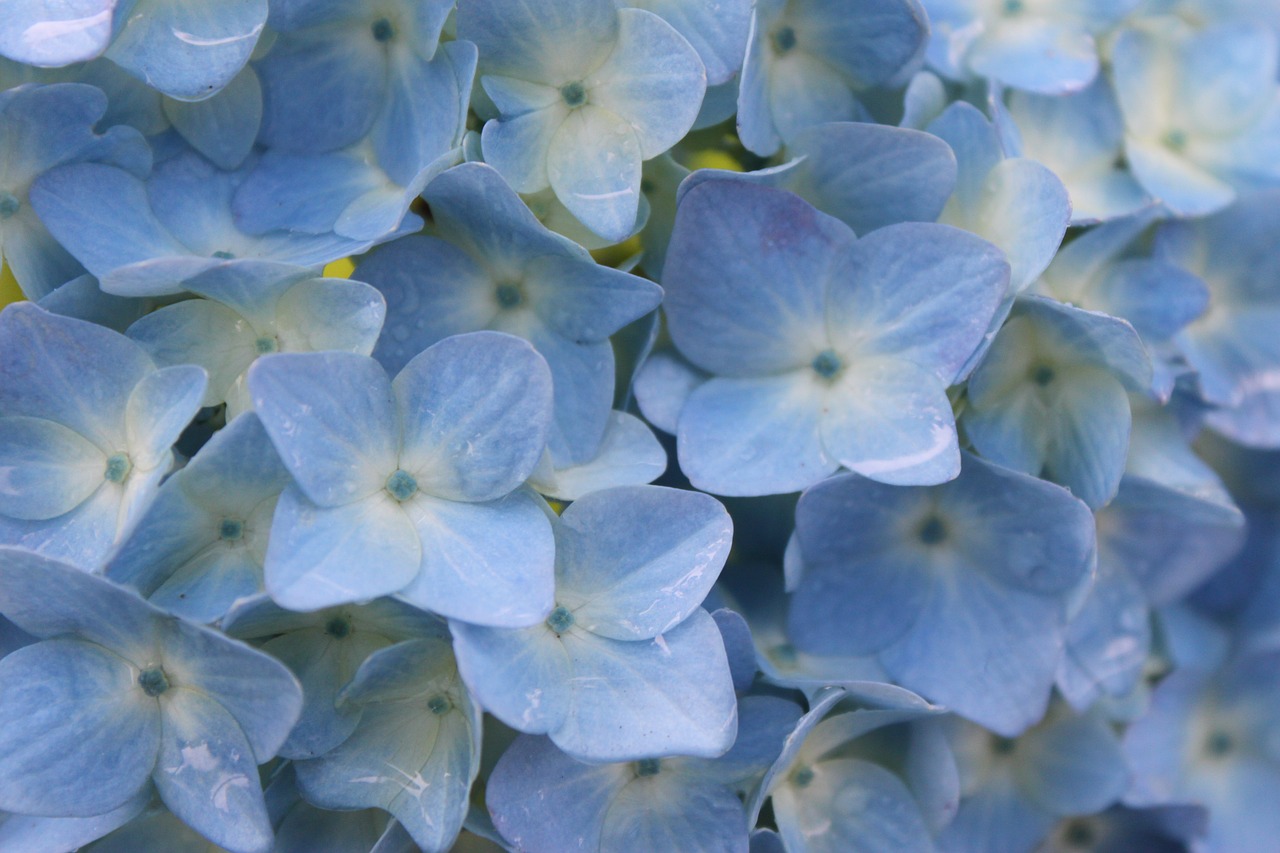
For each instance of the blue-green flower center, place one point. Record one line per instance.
(118, 467)
(933, 531)
(231, 529)
(401, 485)
(1080, 833)
(509, 295)
(338, 627)
(223, 255)
(1176, 139)
(574, 94)
(266, 344)
(827, 364)
(153, 681)
(1014, 7)
(648, 767)
(1003, 745)
(784, 40)
(9, 205)
(439, 705)
(784, 653)
(1042, 375)
(382, 30)
(1219, 743)
(560, 620)
(802, 777)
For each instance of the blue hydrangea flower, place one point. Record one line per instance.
(833, 790)
(826, 349)
(1013, 791)
(28, 832)
(1080, 137)
(1201, 110)
(223, 127)
(487, 263)
(716, 29)
(325, 648)
(119, 695)
(201, 544)
(629, 455)
(1051, 396)
(252, 309)
(42, 127)
(627, 665)
(1209, 738)
(671, 803)
(1233, 346)
(145, 238)
(1098, 271)
(807, 60)
(85, 436)
(411, 486)
(1045, 46)
(186, 50)
(586, 91)
(917, 577)
(415, 750)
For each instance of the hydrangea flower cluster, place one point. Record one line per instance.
(734, 426)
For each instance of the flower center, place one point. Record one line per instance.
(1042, 375)
(933, 531)
(231, 529)
(827, 364)
(802, 777)
(1003, 745)
(509, 295)
(338, 627)
(153, 681)
(560, 620)
(439, 705)
(223, 255)
(1176, 139)
(574, 94)
(1219, 744)
(266, 344)
(648, 767)
(784, 40)
(118, 467)
(401, 485)
(382, 30)
(9, 204)
(1079, 833)
(1014, 7)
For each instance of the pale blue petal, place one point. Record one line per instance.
(871, 41)
(254, 688)
(1073, 766)
(1089, 437)
(629, 455)
(697, 815)
(522, 677)
(45, 468)
(662, 386)
(545, 44)
(45, 360)
(206, 773)
(329, 314)
(187, 49)
(754, 436)
(1039, 55)
(852, 806)
(892, 422)
(206, 586)
(586, 301)
(886, 295)
(159, 409)
(754, 123)
(518, 147)
(533, 779)
(75, 31)
(746, 278)
(635, 562)
(1025, 211)
(78, 737)
(202, 332)
(717, 31)
(320, 556)
(804, 90)
(583, 376)
(870, 175)
(223, 127)
(740, 649)
(303, 192)
(36, 260)
(48, 598)
(331, 416)
(593, 165)
(672, 695)
(484, 563)
(425, 114)
(474, 411)
(27, 834)
(976, 625)
(998, 812)
(102, 215)
(653, 81)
